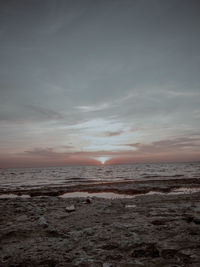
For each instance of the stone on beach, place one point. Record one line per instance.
(192, 218)
(70, 208)
(196, 219)
(42, 222)
(106, 264)
(130, 206)
(88, 200)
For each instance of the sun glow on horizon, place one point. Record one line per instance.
(102, 159)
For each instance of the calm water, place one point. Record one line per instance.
(73, 175)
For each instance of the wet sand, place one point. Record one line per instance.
(147, 230)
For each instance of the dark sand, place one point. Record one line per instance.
(148, 230)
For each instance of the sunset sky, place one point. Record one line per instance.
(87, 81)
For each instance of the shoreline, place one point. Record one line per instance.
(124, 187)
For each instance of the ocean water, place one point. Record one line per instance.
(24, 178)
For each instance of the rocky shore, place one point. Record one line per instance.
(147, 230)
(125, 187)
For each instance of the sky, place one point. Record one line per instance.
(88, 82)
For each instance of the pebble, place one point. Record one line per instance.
(130, 206)
(42, 222)
(196, 219)
(88, 200)
(106, 264)
(70, 208)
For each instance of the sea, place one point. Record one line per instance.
(33, 178)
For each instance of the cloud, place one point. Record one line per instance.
(101, 133)
(172, 145)
(43, 152)
(45, 113)
(98, 125)
(27, 113)
(93, 108)
(57, 152)
(113, 133)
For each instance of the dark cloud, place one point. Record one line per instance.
(28, 114)
(113, 133)
(45, 113)
(49, 152)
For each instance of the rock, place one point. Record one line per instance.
(88, 200)
(196, 219)
(189, 219)
(53, 232)
(183, 257)
(129, 243)
(76, 234)
(19, 210)
(159, 222)
(194, 230)
(110, 246)
(146, 250)
(42, 222)
(130, 206)
(106, 264)
(22, 218)
(122, 225)
(89, 231)
(84, 262)
(114, 257)
(70, 208)
(168, 253)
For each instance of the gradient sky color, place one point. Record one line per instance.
(84, 81)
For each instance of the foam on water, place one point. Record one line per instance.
(111, 195)
(107, 195)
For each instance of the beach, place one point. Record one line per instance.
(99, 133)
(156, 224)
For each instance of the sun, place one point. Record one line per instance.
(102, 159)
